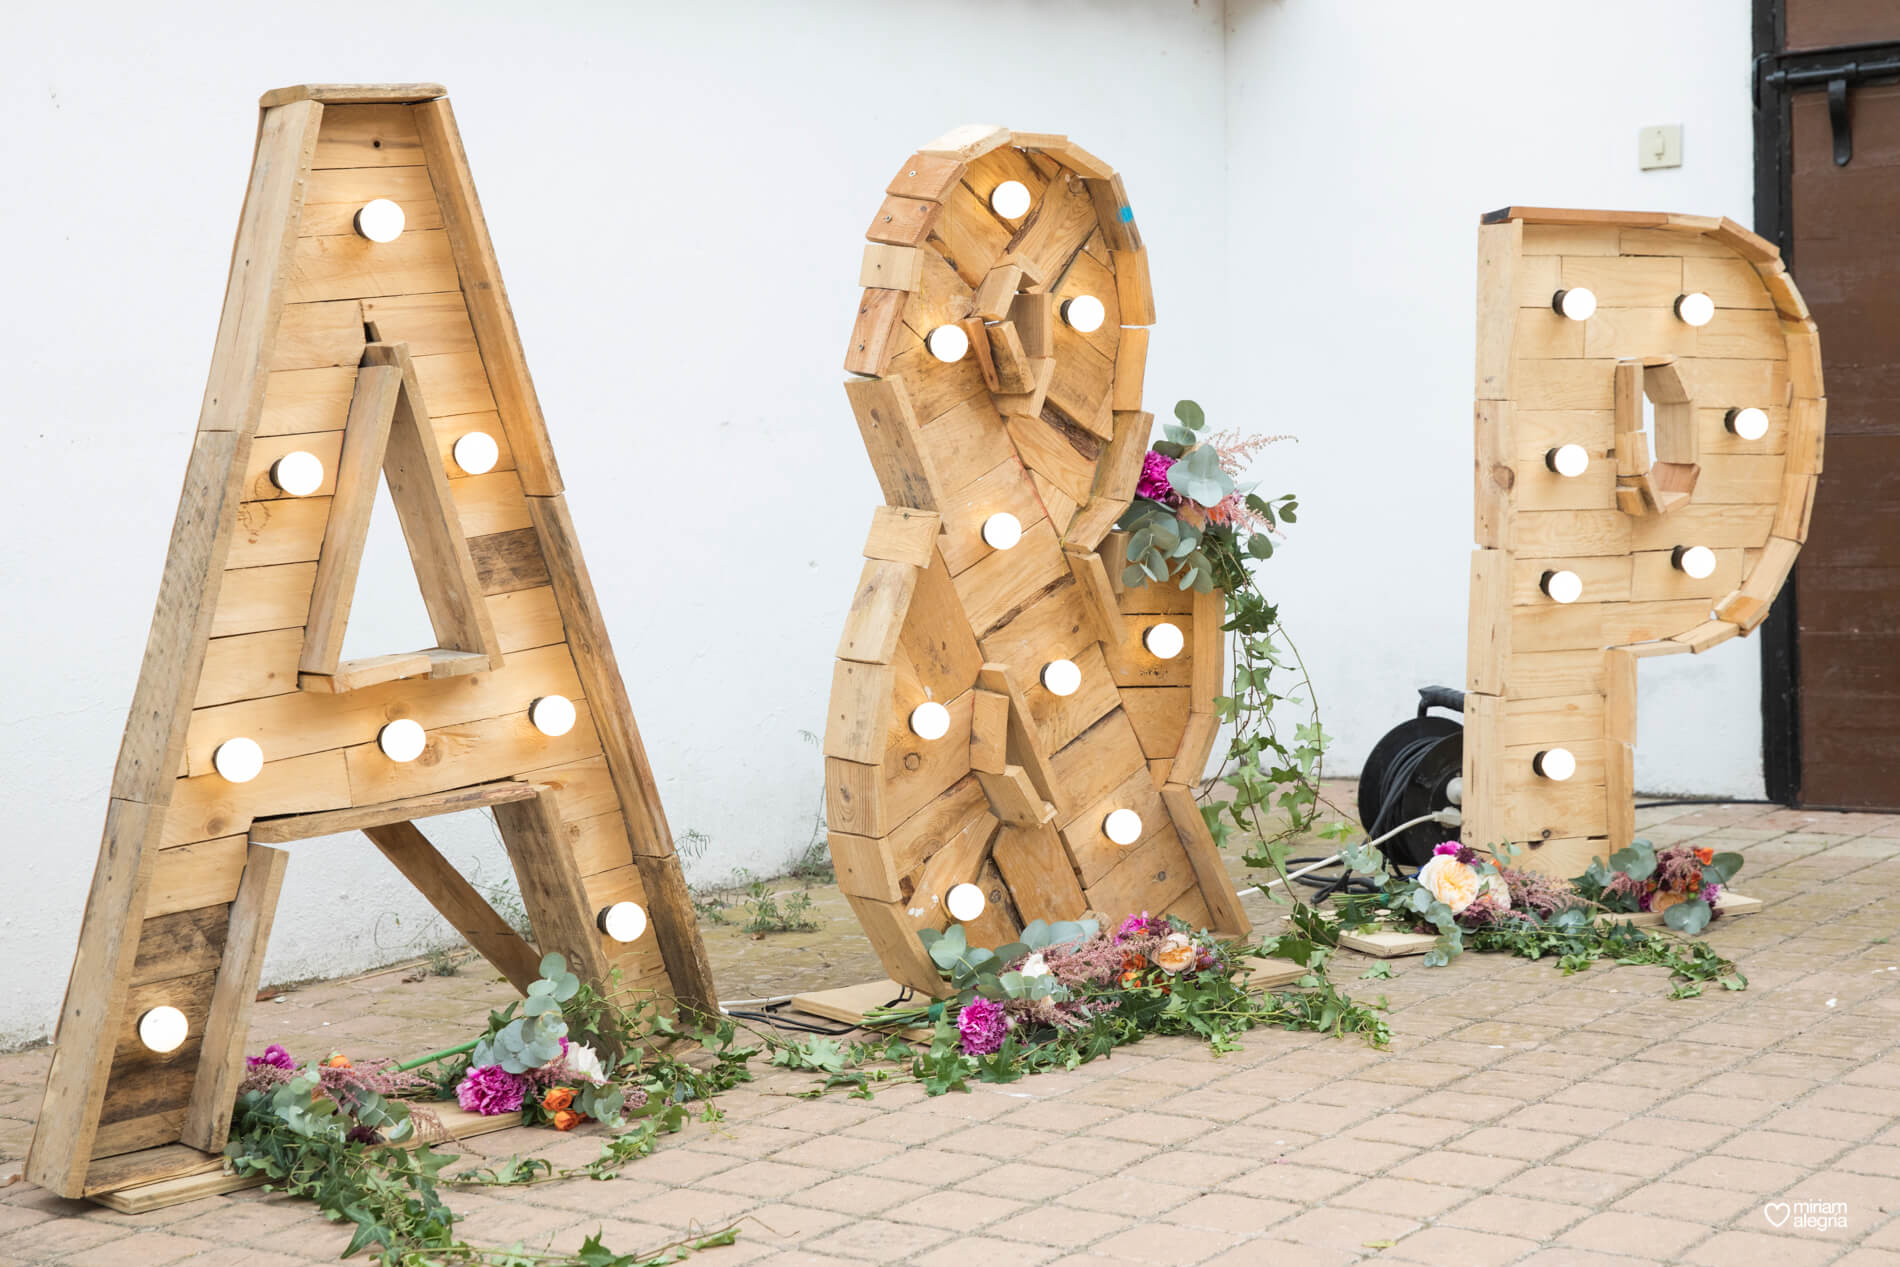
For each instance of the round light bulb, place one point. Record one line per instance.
(1062, 677)
(1749, 423)
(1123, 826)
(966, 902)
(552, 715)
(948, 344)
(476, 453)
(1577, 303)
(1563, 587)
(1695, 308)
(1568, 460)
(1084, 313)
(402, 740)
(1002, 530)
(164, 1029)
(1697, 561)
(1164, 641)
(380, 220)
(1010, 200)
(930, 720)
(623, 921)
(238, 760)
(1555, 764)
(299, 474)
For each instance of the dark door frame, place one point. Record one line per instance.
(1774, 115)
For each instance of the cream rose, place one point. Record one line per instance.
(1176, 954)
(1450, 881)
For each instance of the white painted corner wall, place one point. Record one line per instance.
(677, 194)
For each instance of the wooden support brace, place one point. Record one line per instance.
(1217, 887)
(221, 1056)
(551, 889)
(365, 439)
(464, 909)
(288, 827)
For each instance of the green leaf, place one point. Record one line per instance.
(1688, 918)
(1199, 478)
(1190, 413)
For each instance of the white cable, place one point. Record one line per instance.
(1444, 818)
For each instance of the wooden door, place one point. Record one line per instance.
(1838, 223)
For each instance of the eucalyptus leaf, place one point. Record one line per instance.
(1190, 413)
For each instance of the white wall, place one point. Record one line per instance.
(1364, 141)
(677, 193)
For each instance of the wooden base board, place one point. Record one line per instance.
(212, 1180)
(1396, 944)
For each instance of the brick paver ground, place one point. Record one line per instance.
(1520, 1116)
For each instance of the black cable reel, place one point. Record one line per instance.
(1417, 769)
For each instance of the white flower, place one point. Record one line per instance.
(1450, 881)
(583, 1062)
(1034, 966)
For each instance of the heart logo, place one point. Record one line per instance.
(1777, 1212)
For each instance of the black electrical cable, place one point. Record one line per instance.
(770, 1017)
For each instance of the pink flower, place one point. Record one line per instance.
(490, 1090)
(1153, 483)
(1449, 847)
(983, 1025)
(274, 1056)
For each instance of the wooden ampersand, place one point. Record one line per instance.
(365, 333)
(997, 718)
(1649, 428)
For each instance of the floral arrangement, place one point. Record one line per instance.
(357, 1137)
(1193, 525)
(1473, 901)
(1681, 882)
(1068, 992)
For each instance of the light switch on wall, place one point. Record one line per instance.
(1659, 145)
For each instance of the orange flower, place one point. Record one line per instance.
(567, 1120)
(556, 1098)
(1130, 980)
(1134, 963)
(1663, 899)
(1177, 954)
(1705, 856)
(338, 1060)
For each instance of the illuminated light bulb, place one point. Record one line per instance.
(1695, 308)
(1164, 641)
(552, 715)
(380, 220)
(402, 740)
(299, 474)
(238, 760)
(1123, 826)
(1749, 423)
(1697, 561)
(1562, 587)
(1062, 677)
(1555, 764)
(948, 344)
(164, 1029)
(930, 720)
(966, 902)
(1010, 200)
(1568, 460)
(1002, 530)
(476, 453)
(1084, 313)
(623, 921)
(1577, 303)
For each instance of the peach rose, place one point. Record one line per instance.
(338, 1060)
(1450, 881)
(557, 1098)
(1177, 953)
(567, 1120)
